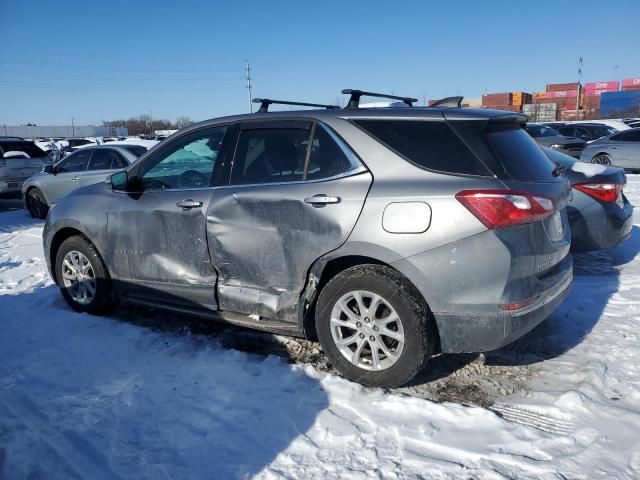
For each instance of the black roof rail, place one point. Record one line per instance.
(354, 101)
(448, 102)
(265, 102)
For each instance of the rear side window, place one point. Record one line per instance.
(327, 159)
(519, 155)
(427, 144)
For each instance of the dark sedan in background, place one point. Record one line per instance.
(548, 137)
(600, 216)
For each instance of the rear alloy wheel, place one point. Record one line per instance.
(601, 159)
(36, 204)
(82, 277)
(367, 330)
(374, 326)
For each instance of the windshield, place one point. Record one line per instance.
(541, 131)
(30, 148)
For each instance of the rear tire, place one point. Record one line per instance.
(601, 159)
(82, 277)
(374, 326)
(36, 204)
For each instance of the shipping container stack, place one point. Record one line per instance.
(592, 94)
(510, 101)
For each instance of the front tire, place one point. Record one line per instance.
(36, 204)
(374, 326)
(82, 277)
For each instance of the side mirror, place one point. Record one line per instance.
(49, 169)
(118, 181)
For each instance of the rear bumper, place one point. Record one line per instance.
(595, 225)
(483, 333)
(11, 186)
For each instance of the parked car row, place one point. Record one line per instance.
(390, 234)
(598, 143)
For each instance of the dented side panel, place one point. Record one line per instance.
(264, 238)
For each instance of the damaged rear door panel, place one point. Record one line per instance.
(296, 193)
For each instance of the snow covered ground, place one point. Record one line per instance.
(149, 395)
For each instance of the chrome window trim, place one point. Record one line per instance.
(361, 169)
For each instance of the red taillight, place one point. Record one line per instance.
(510, 307)
(504, 208)
(605, 192)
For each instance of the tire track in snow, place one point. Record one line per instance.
(69, 446)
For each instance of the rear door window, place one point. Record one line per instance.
(432, 145)
(103, 159)
(271, 154)
(518, 154)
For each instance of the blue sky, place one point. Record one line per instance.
(101, 60)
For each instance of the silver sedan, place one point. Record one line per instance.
(84, 167)
(621, 149)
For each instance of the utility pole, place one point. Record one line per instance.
(580, 63)
(248, 78)
(73, 128)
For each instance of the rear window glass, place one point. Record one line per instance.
(520, 156)
(31, 149)
(428, 144)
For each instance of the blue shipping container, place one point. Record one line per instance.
(619, 101)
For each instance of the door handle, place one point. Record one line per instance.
(75, 179)
(188, 204)
(614, 148)
(321, 199)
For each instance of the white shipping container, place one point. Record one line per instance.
(542, 112)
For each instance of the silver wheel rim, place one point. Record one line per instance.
(367, 330)
(78, 277)
(601, 160)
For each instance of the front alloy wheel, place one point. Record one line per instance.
(78, 277)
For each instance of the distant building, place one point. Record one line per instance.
(64, 131)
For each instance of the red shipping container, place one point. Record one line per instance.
(592, 103)
(558, 87)
(597, 92)
(608, 86)
(510, 108)
(562, 94)
(631, 82)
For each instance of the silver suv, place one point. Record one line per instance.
(390, 234)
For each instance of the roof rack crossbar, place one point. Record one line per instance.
(354, 101)
(265, 102)
(448, 102)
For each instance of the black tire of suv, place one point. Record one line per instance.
(103, 301)
(36, 204)
(417, 320)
